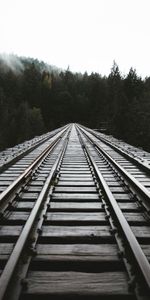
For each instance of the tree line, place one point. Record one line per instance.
(35, 98)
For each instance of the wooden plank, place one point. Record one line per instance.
(76, 175)
(76, 216)
(135, 217)
(34, 189)
(100, 252)
(113, 184)
(29, 195)
(14, 168)
(5, 182)
(103, 251)
(103, 168)
(10, 230)
(9, 173)
(141, 231)
(2, 188)
(109, 177)
(77, 284)
(74, 159)
(75, 168)
(37, 183)
(146, 183)
(4, 176)
(75, 205)
(128, 206)
(147, 179)
(75, 172)
(42, 176)
(44, 172)
(136, 172)
(146, 250)
(75, 189)
(74, 164)
(122, 197)
(117, 189)
(76, 178)
(75, 196)
(106, 172)
(75, 183)
(76, 231)
(5, 250)
(18, 216)
(25, 205)
(141, 176)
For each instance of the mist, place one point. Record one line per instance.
(11, 62)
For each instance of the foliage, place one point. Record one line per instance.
(36, 98)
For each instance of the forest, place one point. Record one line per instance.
(36, 98)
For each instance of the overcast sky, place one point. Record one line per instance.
(87, 35)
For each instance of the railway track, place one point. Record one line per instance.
(10, 156)
(137, 163)
(74, 222)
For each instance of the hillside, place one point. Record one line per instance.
(36, 97)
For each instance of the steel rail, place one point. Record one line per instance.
(6, 165)
(135, 248)
(136, 160)
(16, 287)
(137, 186)
(21, 242)
(23, 177)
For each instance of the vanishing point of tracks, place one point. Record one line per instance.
(75, 221)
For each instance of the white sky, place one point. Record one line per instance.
(84, 34)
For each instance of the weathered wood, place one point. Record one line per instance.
(9, 172)
(141, 231)
(75, 168)
(5, 182)
(35, 188)
(37, 183)
(113, 183)
(74, 178)
(78, 252)
(75, 183)
(122, 197)
(128, 206)
(135, 217)
(25, 205)
(75, 196)
(10, 231)
(106, 172)
(146, 250)
(4, 176)
(76, 205)
(136, 172)
(140, 176)
(75, 189)
(18, 216)
(2, 188)
(75, 164)
(6, 248)
(145, 180)
(29, 195)
(117, 189)
(76, 231)
(75, 172)
(82, 217)
(77, 283)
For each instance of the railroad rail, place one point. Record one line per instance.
(10, 156)
(75, 222)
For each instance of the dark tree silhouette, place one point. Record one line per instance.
(39, 98)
